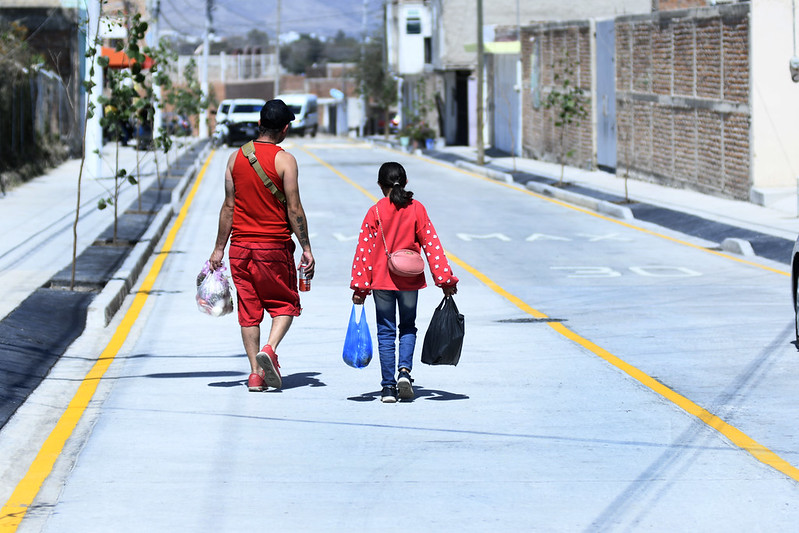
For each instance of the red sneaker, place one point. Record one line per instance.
(256, 383)
(267, 359)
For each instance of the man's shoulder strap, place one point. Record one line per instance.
(249, 152)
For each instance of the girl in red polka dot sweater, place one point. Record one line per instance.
(405, 225)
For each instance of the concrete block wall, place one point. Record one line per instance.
(550, 42)
(682, 89)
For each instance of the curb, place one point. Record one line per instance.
(487, 172)
(738, 246)
(600, 206)
(383, 143)
(106, 304)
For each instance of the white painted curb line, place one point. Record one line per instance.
(487, 172)
(738, 246)
(600, 206)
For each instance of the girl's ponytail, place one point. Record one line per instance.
(392, 176)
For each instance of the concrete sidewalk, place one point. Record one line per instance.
(37, 217)
(779, 219)
(38, 318)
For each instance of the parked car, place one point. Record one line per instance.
(222, 110)
(306, 113)
(240, 123)
(220, 129)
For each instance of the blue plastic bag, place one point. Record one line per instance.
(358, 342)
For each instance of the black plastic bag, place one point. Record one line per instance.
(444, 338)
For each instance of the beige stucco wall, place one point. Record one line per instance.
(774, 97)
(458, 19)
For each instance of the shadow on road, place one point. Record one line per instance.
(419, 392)
(292, 381)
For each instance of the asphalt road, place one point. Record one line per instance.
(615, 376)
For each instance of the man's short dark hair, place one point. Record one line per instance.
(275, 114)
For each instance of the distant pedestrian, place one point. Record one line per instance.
(396, 222)
(258, 215)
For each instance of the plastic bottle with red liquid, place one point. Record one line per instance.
(305, 281)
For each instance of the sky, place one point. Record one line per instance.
(237, 17)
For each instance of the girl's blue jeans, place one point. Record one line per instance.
(386, 305)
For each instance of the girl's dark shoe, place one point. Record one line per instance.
(389, 395)
(404, 385)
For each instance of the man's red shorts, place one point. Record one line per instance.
(265, 279)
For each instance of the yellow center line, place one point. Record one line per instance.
(21, 499)
(340, 175)
(733, 434)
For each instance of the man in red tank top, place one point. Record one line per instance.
(259, 226)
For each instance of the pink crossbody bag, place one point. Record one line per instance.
(404, 262)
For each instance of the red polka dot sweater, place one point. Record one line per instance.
(409, 227)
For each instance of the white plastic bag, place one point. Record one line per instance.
(213, 291)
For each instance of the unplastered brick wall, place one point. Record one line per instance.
(546, 51)
(682, 91)
(664, 5)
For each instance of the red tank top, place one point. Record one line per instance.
(258, 216)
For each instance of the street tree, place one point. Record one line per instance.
(568, 101)
(89, 87)
(163, 56)
(128, 100)
(142, 109)
(188, 99)
(117, 114)
(375, 82)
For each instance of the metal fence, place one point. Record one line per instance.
(36, 118)
(229, 67)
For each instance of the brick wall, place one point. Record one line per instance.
(551, 43)
(682, 89)
(665, 5)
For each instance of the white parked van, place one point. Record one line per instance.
(306, 112)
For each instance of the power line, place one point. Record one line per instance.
(174, 9)
(236, 10)
(164, 18)
(304, 19)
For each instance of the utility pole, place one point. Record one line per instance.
(519, 70)
(277, 53)
(480, 54)
(204, 76)
(94, 131)
(158, 118)
(362, 121)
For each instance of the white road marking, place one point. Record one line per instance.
(470, 237)
(665, 271)
(545, 237)
(608, 237)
